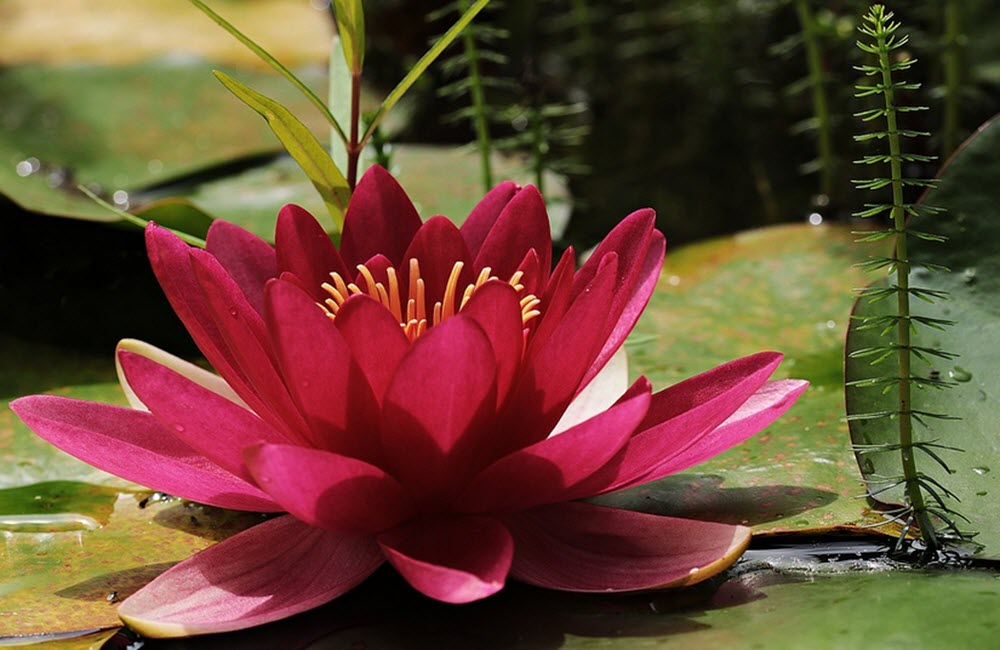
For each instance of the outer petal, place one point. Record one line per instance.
(380, 219)
(679, 415)
(269, 572)
(249, 342)
(599, 394)
(522, 225)
(204, 420)
(455, 559)
(479, 222)
(246, 257)
(545, 471)
(438, 411)
(305, 250)
(325, 381)
(629, 302)
(197, 374)
(135, 446)
(377, 342)
(582, 547)
(329, 490)
(553, 371)
(764, 407)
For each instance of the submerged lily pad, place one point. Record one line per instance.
(970, 191)
(784, 288)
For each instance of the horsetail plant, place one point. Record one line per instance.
(924, 497)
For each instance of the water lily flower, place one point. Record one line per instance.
(434, 397)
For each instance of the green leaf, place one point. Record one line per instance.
(421, 65)
(340, 85)
(350, 15)
(274, 63)
(301, 144)
(970, 190)
(784, 288)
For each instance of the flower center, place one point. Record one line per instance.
(408, 304)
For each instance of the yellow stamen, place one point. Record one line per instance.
(410, 310)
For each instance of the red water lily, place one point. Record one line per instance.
(431, 396)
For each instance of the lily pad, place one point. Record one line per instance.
(970, 191)
(786, 288)
(119, 130)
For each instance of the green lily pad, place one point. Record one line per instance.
(126, 128)
(786, 288)
(970, 191)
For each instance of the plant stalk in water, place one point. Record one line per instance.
(923, 494)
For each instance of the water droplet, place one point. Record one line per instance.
(120, 197)
(58, 177)
(179, 428)
(155, 166)
(821, 200)
(233, 312)
(969, 276)
(958, 373)
(831, 324)
(815, 219)
(674, 280)
(981, 470)
(27, 167)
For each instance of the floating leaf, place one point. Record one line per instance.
(970, 191)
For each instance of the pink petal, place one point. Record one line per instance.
(455, 559)
(380, 219)
(523, 225)
(246, 257)
(269, 572)
(250, 347)
(764, 407)
(197, 374)
(327, 384)
(629, 304)
(582, 547)
(305, 250)
(556, 299)
(479, 222)
(135, 446)
(436, 247)
(329, 490)
(545, 471)
(599, 394)
(171, 261)
(495, 306)
(438, 411)
(553, 371)
(679, 415)
(202, 419)
(375, 338)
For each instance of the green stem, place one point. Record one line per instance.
(353, 145)
(952, 75)
(479, 119)
(821, 109)
(905, 417)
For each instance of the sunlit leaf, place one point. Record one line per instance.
(301, 144)
(351, 27)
